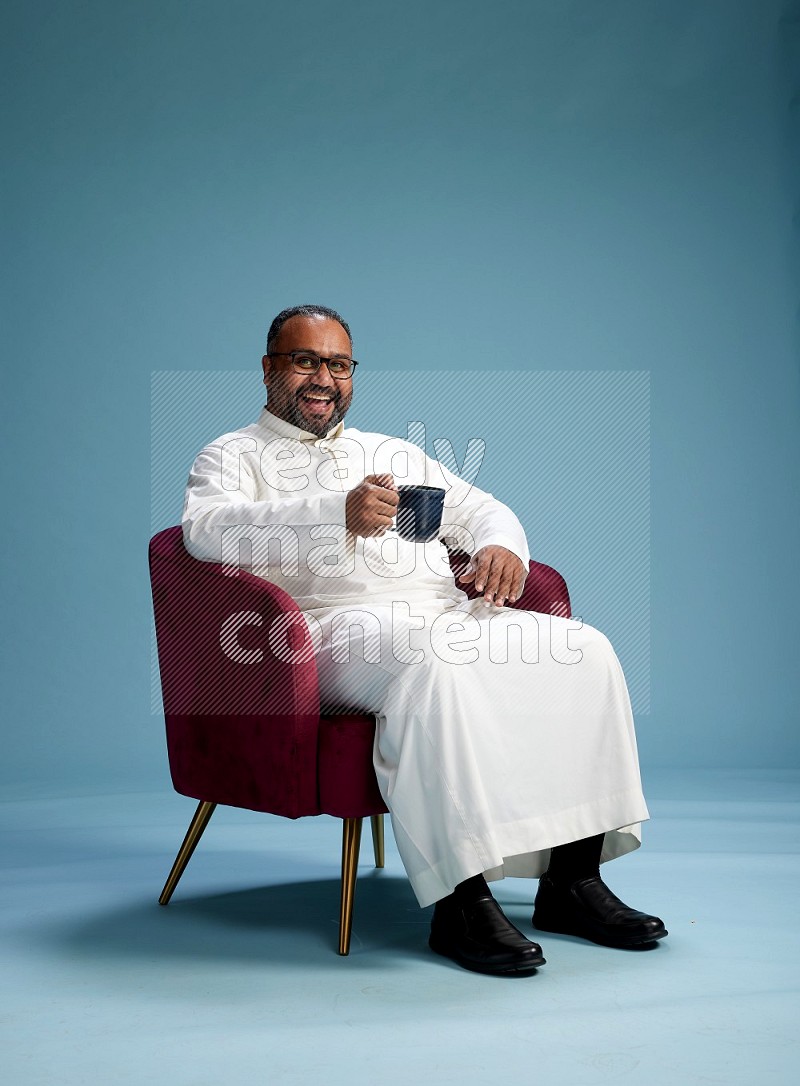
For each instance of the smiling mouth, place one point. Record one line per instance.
(318, 402)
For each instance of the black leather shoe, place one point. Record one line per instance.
(480, 937)
(589, 910)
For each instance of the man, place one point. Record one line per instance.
(490, 764)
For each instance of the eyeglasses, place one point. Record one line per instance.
(339, 367)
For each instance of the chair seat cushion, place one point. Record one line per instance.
(241, 761)
(347, 784)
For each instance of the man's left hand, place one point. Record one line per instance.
(498, 573)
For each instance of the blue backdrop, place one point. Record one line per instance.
(487, 192)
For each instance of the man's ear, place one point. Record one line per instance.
(266, 366)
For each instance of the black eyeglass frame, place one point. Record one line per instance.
(320, 359)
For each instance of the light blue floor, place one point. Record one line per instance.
(238, 980)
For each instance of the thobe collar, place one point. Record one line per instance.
(287, 429)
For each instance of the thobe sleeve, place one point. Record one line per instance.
(221, 497)
(472, 518)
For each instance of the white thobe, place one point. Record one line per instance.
(500, 733)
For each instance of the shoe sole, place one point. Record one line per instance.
(510, 970)
(632, 943)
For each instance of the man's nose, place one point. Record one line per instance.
(323, 377)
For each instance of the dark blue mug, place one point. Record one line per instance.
(419, 512)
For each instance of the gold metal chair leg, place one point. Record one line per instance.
(377, 839)
(351, 843)
(193, 834)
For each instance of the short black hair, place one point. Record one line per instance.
(304, 311)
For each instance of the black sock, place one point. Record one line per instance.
(576, 860)
(471, 889)
(467, 891)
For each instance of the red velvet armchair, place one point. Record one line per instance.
(244, 727)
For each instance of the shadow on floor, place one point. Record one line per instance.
(289, 923)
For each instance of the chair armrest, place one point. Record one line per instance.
(545, 589)
(242, 722)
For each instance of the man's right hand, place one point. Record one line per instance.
(371, 505)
